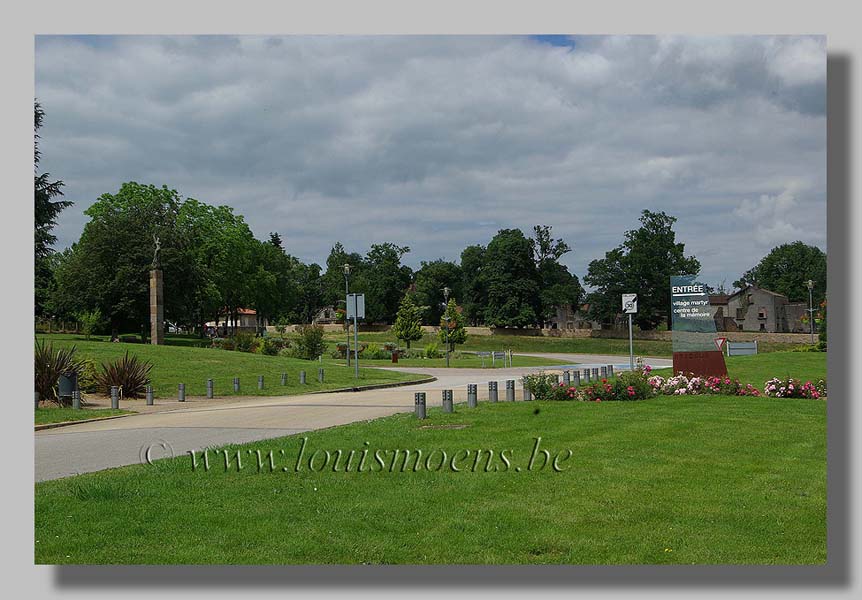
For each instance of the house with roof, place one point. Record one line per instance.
(246, 320)
(757, 309)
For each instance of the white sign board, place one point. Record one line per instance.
(630, 304)
(356, 306)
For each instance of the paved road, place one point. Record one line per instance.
(200, 423)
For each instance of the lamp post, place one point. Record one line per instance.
(346, 268)
(446, 317)
(810, 285)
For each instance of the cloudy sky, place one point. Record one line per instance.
(438, 142)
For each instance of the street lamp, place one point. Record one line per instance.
(446, 317)
(346, 269)
(810, 285)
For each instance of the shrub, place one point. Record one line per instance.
(49, 365)
(87, 376)
(540, 384)
(272, 346)
(793, 388)
(375, 352)
(90, 321)
(690, 384)
(310, 344)
(245, 341)
(129, 373)
(432, 350)
(631, 385)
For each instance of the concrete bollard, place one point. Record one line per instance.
(595, 373)
(284, 379)
(527, 394)
(586, 375)
(510, 390)
(236, 384)
(181, 392)
(260, 382)
(37, 399)
(115, 397)
(149, 395)
(320, 375)
(604, 371)
(419, 408)
(447, 401)
(610, 370)
(567, 377)
(209, 388)
(576, 378)
(557, 379)
(492, 391)
(472, 395)
(302, 377)
(76, 400)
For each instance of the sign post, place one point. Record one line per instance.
(356, 309)
(696, 348)
(630, 307)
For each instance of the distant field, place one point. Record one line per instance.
(174, 364)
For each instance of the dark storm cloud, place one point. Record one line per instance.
(437, 142)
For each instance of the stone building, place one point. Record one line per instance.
(568, 318)
(757, 309)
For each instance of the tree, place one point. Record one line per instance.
(510, 272)
(456, 333)
(46, 211)
(643, 264)
(475, 284)
(408, 322)
(89, 320)
(332, 281)
(429, 282)
(786, 269)
(275, 240)
(384, 280)
(558, 286)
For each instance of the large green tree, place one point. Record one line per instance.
(509, 268)
(383, 280)
(786, 269)
(475, 284)
(643, 264)
(558, 286)
(47, 207)
(332, 281)
(429, 282)
(452, 330)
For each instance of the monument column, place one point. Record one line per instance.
(157, 299)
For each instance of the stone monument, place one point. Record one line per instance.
(157, 298)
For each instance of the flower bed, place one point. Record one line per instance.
(680, 385)
(793, 388)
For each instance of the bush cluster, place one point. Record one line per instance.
(794, 388)
(690, 384)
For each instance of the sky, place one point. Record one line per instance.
(437, 142)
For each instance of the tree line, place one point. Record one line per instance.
(213, 265)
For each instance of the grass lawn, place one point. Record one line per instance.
(61, 415)
(193, 366)
(465, 361)
(756, 369)
(545, 344)
(701, 480)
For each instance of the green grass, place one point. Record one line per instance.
(61, 415)
(193, 366)
(756, 369)
(518, 343)
(464, 361)
(703, 480)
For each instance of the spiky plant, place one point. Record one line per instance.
(128, 373)
(49, 365)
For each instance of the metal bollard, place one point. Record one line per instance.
(37, 399)
(236, 384)
(604, 371)
(595, 373)
(76, 400)
(577, 378)
(302, 377)
(472, 395)
(419, 408)
(149, 395)
(260, 382)
(527, 394)
(567, 377)
(209, 388)
(510, 390)
(284, 379)
(492, 391)
(610, 370)
(447, 401)
(320, 375)
(181, 392)
(115, 397)
(586, 375)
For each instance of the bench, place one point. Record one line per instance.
(741, 348)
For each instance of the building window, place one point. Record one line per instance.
(740, 313)
(761, 313)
